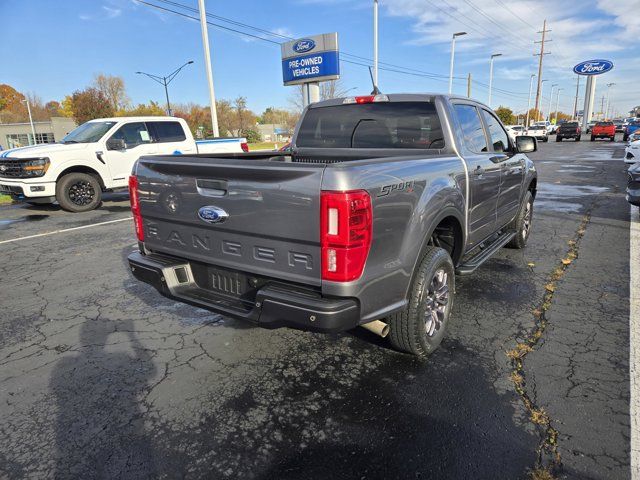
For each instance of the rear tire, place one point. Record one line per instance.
(613, 139)
(522, 223)
(558, 139)
(593, 139)
(419, 328)
(78, 192)
(625, 138)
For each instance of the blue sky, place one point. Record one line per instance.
(71, 40)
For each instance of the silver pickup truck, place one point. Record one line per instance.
(379, 202)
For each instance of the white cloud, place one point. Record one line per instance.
(111, 12)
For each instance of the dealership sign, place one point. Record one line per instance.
(593, 67)
(310, 59)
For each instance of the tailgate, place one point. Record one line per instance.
(272, 213)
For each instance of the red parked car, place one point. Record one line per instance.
(604, 130)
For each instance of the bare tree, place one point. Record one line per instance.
(328, 90)
(112, 87)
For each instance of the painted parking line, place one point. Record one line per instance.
(634, 319)
(64, 230)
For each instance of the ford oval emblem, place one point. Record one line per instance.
(593, 67)
(304, 45)
(212, 214)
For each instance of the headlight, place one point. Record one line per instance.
(36, 167)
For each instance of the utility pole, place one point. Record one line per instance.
(165, 81)
(541, 55)
(207, 64)
(575, 104)
(469, 85)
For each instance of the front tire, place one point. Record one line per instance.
(78, 192)
(558, 139)
(593, 139)
(420, 327)
(522, 223)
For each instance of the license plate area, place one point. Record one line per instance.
(226, 282)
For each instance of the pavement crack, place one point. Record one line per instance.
(548, 461)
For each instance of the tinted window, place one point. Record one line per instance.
(472, 130)
(372, 125)
(133, 134)
(499, 137)
(604, 124)
(571, 124)
(167, 131)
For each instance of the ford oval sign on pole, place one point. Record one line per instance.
(593, 67)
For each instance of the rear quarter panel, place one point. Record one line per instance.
(409, 196)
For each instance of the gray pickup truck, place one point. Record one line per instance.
(379, 202)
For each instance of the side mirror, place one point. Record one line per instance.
(526, 144)
(116, 144)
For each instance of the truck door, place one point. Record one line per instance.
(511, 166)
(484, 173)
(138, 142)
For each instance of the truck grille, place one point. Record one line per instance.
(12, 167)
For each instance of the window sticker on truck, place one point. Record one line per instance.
(387, 189)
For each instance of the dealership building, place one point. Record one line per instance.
(13, 135)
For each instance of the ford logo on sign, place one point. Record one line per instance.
(593, 67)
(304, 45)
(212, 214)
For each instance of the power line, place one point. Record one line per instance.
(506, 7)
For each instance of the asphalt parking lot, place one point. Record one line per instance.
(102, 377)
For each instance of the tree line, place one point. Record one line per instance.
(106, 96)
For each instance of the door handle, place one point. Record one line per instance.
(478, 171)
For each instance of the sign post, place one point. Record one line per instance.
(308, 61)
(590, 69)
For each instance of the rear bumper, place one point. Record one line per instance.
(274, 305)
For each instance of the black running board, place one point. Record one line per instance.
(483, 255)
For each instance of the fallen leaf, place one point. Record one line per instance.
(566, 261)
(531, 264)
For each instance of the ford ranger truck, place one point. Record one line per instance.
(603, 130)
(379, 203)
(97, 157)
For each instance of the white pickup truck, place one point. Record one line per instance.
(97, 157)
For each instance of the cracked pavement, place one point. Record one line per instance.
(101, 377)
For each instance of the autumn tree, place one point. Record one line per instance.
(142, 110)
(505, 114)
(113, 89)
(10, 98)
(328, 90)
(279, 116)
(90, 103)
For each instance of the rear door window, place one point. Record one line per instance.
(164, 132)
(412, 125)
(472, 129)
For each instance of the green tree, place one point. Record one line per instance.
(505, 115)
(90, 103)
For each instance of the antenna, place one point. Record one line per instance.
(375, 87)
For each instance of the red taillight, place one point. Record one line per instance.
(244, 146)
(345, 234)
(135, 207)
(577, 130)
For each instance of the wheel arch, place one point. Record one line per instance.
(82, 169)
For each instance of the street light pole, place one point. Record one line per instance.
(375, 47)
(529, 101)
(558, 102)
(453, 49)
(609, 85)
(165, 81)
(541, 83)
(491, 74)
(33, 128)
(550, 101)
(207, 64)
